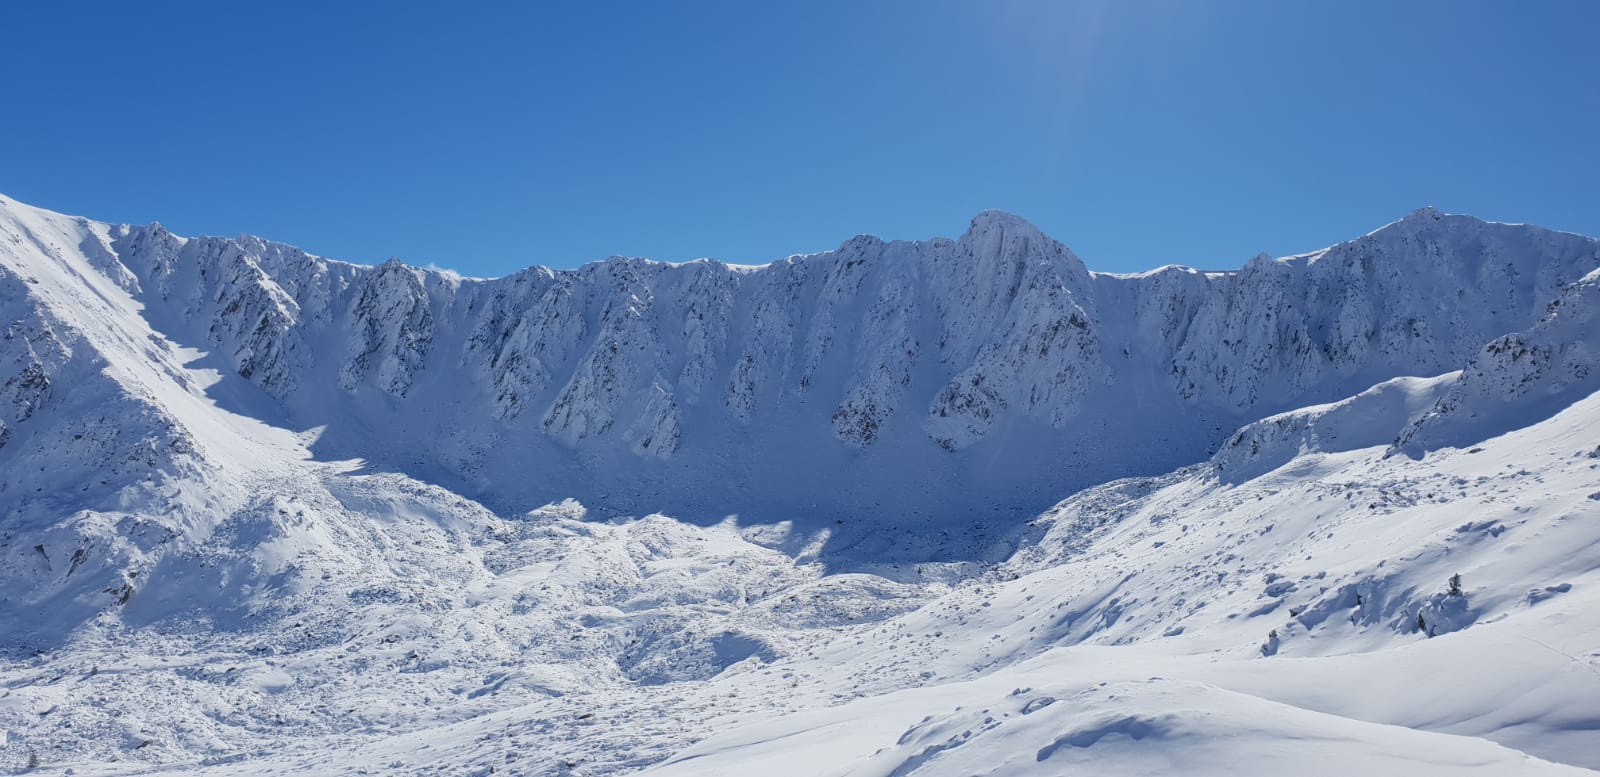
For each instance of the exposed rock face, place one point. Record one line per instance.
(220, 288)
(393, 329)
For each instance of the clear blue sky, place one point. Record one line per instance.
(486, 137)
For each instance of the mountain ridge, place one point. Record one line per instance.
(991, 364)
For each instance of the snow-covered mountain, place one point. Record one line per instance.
(985, 375)
(261, 510)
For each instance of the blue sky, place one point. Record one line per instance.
(488, 137)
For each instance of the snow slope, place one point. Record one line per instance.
(1189, 625)
(265, 512)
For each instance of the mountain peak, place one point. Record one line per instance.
(1262, 259)
(996, 231)
(1419, 219)
(999, 219)
(1011, 239)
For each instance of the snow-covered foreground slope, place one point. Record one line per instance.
(1301, 622)
(262, 512)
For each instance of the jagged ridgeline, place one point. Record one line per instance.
(943, 390)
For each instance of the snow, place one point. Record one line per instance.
(985, 376)
(263, 512)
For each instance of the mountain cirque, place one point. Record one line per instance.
(267, 512)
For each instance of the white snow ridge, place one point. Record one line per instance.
(267, 513)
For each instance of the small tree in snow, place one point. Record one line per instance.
(1455, 585)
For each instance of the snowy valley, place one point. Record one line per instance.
(948, 507)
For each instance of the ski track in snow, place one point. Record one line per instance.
(266, 513)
